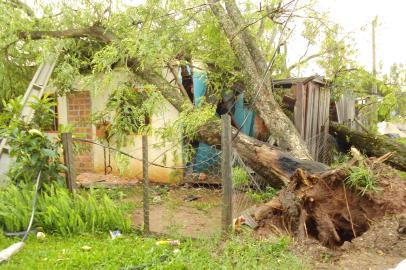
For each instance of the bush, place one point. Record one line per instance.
(60, 212)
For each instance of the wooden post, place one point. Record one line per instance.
(227, 213)
(146, 181)
(374, 89)
(68, 159)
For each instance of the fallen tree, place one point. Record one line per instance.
(274, 165)
(370, 144)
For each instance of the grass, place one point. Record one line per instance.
(239, 252)
(202, 206)
(362, 179)
(403, 175)
(262, 196)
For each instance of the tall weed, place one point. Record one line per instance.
(59, 211)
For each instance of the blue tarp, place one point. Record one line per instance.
(207, 156)
(244, 116)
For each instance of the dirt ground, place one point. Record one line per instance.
(381, 247)
(173, 214)
(100, 180)
(171, 210)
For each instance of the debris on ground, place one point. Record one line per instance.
(115, 234)
(40, 235)
(86, 248)
(157, 199)
(191, 197)
(237, 223)
(168, 243)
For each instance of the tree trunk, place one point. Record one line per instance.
(258, 84)
(370, 144)
(275, 166)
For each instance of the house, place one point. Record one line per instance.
(75, 110)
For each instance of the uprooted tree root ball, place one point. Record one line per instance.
(327, 207)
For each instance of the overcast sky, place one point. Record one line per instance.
(390, 39)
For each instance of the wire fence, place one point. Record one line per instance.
(191, 196)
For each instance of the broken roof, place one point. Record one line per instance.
(286, 83)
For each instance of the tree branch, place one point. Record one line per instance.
(304, 60)
(177, 81)
(95, 31)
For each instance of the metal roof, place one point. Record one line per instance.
(288, 82)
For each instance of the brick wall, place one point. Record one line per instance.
(79, 115)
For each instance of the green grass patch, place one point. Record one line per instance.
(202, 206)
(401, 140)
(262, 196)
(362, 179)
(239, 252)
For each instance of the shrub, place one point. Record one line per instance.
(59, 211)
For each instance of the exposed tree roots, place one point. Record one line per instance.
(322, 206)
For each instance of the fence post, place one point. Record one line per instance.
(146, 181)
(68, 159)
(227, 211)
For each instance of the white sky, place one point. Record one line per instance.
(390, 39)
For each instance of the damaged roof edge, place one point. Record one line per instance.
(284, 83)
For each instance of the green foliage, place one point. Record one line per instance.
(15, 207)
(362, 179)
(263, 195)
(60, 212)
(240, 177)
(33, 150)
(44, 113)
(190, 120)
(238, 252)
(128, 110)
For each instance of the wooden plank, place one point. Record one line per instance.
(299, 109)
(315, 133)
(227, 210)
(309, 113)
(324, 111)
(320, 112)
(68, 159)
(326, 121)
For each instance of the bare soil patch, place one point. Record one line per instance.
(100, 180)
(170, 212)
(381, 247)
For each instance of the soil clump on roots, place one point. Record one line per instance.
(325, 206)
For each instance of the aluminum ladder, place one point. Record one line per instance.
(34, 91)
